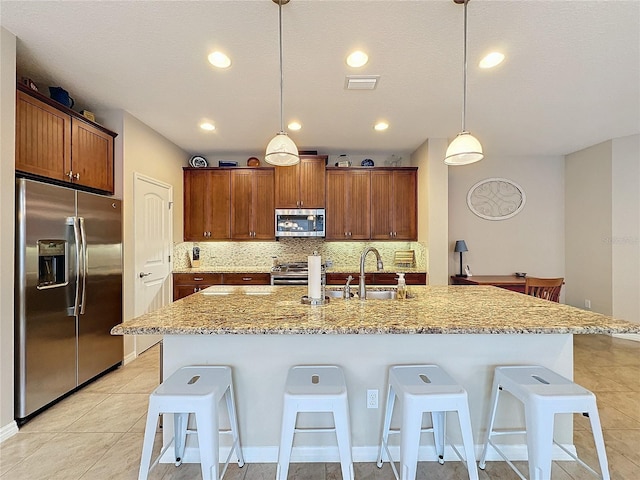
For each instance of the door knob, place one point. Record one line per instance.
(142, 275)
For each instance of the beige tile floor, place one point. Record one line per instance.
(97, 433)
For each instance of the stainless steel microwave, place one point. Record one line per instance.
(298, 222)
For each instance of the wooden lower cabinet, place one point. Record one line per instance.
(373, 278)
(185, 284)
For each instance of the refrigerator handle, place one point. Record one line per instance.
(83, 235)
(76, 234)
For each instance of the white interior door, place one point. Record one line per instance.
(153, 237)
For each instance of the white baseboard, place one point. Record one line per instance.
(129, 358)
(367, 454)
(8, 431)
(628, 336)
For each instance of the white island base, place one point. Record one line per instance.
(260, 364)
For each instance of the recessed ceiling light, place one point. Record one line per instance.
(357, 59)
(219, 59)
(294, 126)
(380, 126)
(207, 126)
(491, 60)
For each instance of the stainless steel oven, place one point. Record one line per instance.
(295, 273)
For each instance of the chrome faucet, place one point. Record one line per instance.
(362, 289)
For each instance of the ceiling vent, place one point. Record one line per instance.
(361, 82)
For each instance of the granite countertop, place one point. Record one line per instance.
(221, 310)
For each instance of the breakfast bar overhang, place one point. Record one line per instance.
(261, 331)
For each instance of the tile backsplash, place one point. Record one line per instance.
(344, 255)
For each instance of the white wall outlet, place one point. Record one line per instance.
(372, 398)
(587, 304)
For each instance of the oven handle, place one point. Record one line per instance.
(289, 281)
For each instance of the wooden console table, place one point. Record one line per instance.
(509, 282)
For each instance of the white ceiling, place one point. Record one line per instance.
(571, 78)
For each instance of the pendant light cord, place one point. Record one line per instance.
(464, 75)
(281, 74)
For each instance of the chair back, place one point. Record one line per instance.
(547, 288)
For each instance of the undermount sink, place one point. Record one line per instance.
(389, 294)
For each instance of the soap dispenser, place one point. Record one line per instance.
(402, 287)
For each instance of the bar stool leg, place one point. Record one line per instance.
(343, 436)
(439, 421)
(539, 442)
(233, 422)
(495, 393)
(391, 399)
(467, 440)
(409, 443)
(180, 424)
(286, 440)
(208, 442)
(147, 444)
(598, 439)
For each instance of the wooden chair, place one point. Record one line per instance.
(547, 288)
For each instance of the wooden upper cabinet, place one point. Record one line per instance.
(91, 156)
(207, 197)
(301, 185)
(394, 204)
(43, 138)
(348, 208)
(55, 142)
(252, 204)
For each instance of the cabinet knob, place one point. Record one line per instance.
(198, 279)
(69, 174)
(247, 279)
(77, 176)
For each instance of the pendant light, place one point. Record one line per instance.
(465, 148)
(281, 150)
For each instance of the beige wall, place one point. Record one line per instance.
(625, 242)
(7, 162)
(146, 152)
(433, 207)
(532, 241)
(588, 227)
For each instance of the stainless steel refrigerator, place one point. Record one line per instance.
(68, 287)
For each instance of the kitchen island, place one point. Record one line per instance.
(262, 330)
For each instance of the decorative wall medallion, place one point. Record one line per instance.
(496, 198)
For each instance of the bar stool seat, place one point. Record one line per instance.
(543, 393)
(194, 390)
(315, 389)
(421, 389)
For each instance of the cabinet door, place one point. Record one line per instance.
(196, 213)
(91, 156)
(241, 204)
(312, 182)
(382, 207)
(359, 205)
(262, 211)
(336, 217)
(404, 203)
(43, 138)
(287, 187)
(219, 204)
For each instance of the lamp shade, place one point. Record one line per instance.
(463, 150)
(461, 246)
(282, 151)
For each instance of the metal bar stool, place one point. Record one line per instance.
(315, 389)
(421, 389)
(543, 393)
(194, 390)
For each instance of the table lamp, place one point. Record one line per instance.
(461, 246)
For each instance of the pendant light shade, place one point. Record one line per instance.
(465, 148)
(281, 150)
